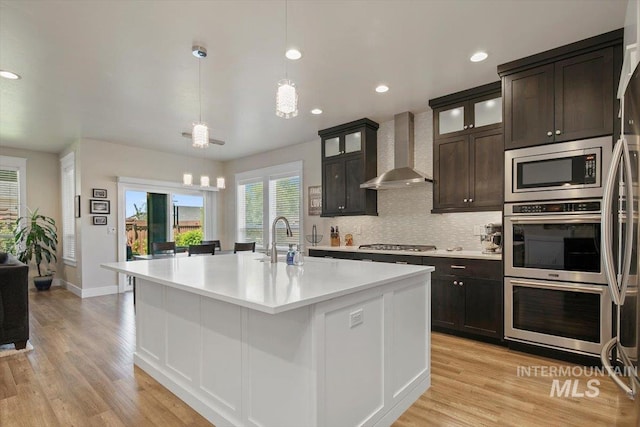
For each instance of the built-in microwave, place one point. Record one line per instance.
(568, 170)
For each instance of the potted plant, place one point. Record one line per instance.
(37, 238)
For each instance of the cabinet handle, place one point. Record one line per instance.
(402, 262)
(558, 132)
(459, 267)
(470, 200)
(455, 282)
(367, 260)
(466, 200)
(549, 133)
(470, 126)
(460, 284)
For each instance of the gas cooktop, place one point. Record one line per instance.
(394, 247)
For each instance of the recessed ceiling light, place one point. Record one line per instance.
(316, 111)
(478, 56)
(293, 54)
(9, 75)
(382, 88)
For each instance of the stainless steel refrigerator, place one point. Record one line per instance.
(620, 236)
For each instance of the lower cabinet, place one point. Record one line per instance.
(467, 304)
(467, 296)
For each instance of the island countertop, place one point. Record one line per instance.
(245, 280)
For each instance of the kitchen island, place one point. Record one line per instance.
(249, 343)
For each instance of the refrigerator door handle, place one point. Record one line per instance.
(628, 240)
(606, 232)
(606, 362)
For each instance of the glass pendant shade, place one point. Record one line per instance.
(286, 99)
(204, 181)
(200, 135)
(220, 182)
(187, 179)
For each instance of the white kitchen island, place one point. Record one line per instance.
(332, 343)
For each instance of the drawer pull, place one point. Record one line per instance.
(459, 267)
(367, 260)
(402, 262)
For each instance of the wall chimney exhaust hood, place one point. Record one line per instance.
(403, 174)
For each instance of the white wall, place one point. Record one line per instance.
(308, 152)
(100, 163)
(43, 187)
(404, 215)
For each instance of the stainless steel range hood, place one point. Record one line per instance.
(403, 174)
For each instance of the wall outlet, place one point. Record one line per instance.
(478, 230)
(111, 230)
(356, 317)
(358, 229)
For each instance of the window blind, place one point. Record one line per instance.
(250, 212)
(9, 207)
(67, 168)
(284, 200)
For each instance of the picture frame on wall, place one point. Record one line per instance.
(315, 200)
(99, 206)
(99, 193)
(99, 220)
(76, 206)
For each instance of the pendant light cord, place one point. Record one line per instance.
(286, 37)
(200, 88)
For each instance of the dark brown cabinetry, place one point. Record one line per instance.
(561, 95)
(467, 150)
(349, 158)
(466, 294)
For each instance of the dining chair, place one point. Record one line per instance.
(213, 242)
(163, 248)
(204, 249)
(251, 246)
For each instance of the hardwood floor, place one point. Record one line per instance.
(81, 373)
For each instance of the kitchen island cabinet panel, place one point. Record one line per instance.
(251, 343)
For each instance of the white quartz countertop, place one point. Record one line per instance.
(244, 280)
(436, 253)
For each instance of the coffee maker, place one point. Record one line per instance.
(491, 239)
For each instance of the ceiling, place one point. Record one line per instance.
(122, 71)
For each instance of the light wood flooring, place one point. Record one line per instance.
(81, 373)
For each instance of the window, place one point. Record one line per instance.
(12, 198)
(266, 194)
(68, 175)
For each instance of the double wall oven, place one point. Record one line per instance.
(556, 291)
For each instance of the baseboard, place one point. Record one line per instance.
(87, 293)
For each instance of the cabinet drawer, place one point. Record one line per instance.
(462, 267)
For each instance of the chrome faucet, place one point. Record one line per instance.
(274, 249)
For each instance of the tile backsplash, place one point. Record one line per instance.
(404, 215)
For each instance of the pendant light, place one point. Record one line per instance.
(286, 95)
(200, 133)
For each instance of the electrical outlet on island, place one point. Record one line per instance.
(478, 230)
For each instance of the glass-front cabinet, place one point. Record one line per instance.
(349, 158)
(343, 144)
(461, 116)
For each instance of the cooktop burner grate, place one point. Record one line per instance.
(396, 247)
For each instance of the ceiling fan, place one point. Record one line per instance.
(211, 140)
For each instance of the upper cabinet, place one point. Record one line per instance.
(453, 115)
(468, 150)
(349, 158)
(563, 94)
